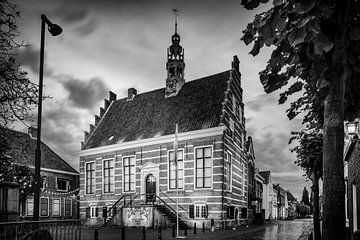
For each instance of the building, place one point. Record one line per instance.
(251, 187)
(257, 202)
(268, 199)
(282, 204)
(128, 170)
(291, 205)
(352, 183)
(60, 182)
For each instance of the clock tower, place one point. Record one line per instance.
(175, 64)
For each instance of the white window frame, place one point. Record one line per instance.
(52, 212)
(86, 184)
(211, 171)
(183, 160)
(93, 211)
(234, 103)
(228, 177)
(67, 184)
(199, 206)
(48, 207)
(112, 179)
(123, 174)
(71, 206)
(31, 204)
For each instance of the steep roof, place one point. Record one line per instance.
(291, 197)
(265, 175)
(22, 151)
(197, 106)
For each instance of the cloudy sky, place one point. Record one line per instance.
(114, 45)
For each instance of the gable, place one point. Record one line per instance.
(197, 106)
(22, 151)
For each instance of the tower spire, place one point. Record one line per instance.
(176, 14)
(175, 63)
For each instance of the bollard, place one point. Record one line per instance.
(123, 233)
(143, 233)
(185, 231)
(159, 233)
(203, 227)
(194, 228)
(212, 225)
(173, 231)
(96, 234)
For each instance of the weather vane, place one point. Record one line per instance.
(176, 13)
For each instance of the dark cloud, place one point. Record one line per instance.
(60, 131)
(85, 93)
(30, 57)
(71, 12)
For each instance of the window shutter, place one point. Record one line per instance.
(96, 212)
(206, 211)
(88, 212)
(191, 211)
(105, 212)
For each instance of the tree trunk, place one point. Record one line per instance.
(316, 208)
(333, 146)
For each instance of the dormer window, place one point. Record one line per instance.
(62, 184)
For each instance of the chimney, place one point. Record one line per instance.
(131, 94)
(32, 131)
(112, 96)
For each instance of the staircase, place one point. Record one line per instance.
(170, 215)
(159, 203)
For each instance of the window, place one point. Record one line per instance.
(44, 207)
(56, 207)
(68, 207)
(198, 211)
(234, 103)
(228, 172)
(232, 128)
(203, 167)
(62, 184)
(180, 170)
(94, 212)
(30, 206)
(90, 178)
(230, 212)
(129, 174)
(108, 174)
(240, 114)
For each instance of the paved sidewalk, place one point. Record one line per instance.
(278, 230)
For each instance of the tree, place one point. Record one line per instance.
(317, 49)
(17, 94)
(309, 158)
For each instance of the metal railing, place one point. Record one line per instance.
(32, 230)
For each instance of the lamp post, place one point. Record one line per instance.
(54, 30)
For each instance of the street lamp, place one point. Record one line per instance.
(54, 30)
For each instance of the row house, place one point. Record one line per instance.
(133, 173)
(268, 195)
(352, 176)
(60, 181)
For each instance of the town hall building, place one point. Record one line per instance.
(129, 174)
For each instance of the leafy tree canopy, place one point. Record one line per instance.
(303, 33)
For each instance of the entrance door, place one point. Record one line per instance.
(150, 188)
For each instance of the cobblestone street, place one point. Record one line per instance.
(279, 230)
